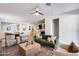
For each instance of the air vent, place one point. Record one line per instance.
(48, 4)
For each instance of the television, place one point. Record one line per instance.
(43, 33)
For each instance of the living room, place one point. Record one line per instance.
(23, 26)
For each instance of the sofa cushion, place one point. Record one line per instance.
(73, 48)
(45, 37)
(44, 42)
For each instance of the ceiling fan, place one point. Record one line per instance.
(37, 11)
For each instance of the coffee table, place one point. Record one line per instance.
(29, 50)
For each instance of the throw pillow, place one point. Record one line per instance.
(49, 39)
(73, 48)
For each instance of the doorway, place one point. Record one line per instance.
(56, 30)
(56, 27)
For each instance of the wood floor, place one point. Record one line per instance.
(14, 51)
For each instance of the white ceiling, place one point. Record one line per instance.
(20, 11)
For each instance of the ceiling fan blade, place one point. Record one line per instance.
(32, 13)
(36, 11)
(41, 13)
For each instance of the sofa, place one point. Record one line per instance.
(62, 51)
(44, 42)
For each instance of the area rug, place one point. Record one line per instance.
(10, 51)
(14, 51)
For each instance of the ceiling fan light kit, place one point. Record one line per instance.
(37, 12)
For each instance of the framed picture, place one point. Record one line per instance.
(40, 26)
(8, 28)
(29, 27)
(24, 27)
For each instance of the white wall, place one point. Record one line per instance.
(5, 25)
(68, 29)
(48, 26)
(13, 26)
(26, 32)
(0, 29)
